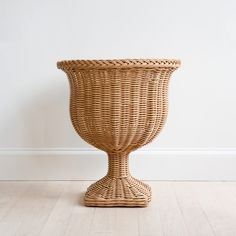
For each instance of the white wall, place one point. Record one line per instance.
(34, 93)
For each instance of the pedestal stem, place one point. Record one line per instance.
(118, 165)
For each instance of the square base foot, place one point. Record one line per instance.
(116, 202)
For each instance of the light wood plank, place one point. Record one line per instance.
(194, 217)
(127, 222)
(171, 217)
(104, 221)
(10, 193)
(81, 217)
(177, 208)
(149, 218)
(31, 212)
(226, 195)
(59, 218)
(219, 217)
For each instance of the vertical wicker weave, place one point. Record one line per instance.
(118, 106)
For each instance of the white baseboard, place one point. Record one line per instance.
(90, 164)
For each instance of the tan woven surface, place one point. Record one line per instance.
(118, 106)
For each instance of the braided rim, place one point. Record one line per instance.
(118, 63)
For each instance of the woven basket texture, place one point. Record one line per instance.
(118, 106)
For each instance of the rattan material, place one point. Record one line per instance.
(118, 106)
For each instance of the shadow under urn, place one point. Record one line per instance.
(118, 106)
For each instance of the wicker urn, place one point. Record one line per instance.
(118, 106)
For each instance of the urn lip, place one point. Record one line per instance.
(118, 63)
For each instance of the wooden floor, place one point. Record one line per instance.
(177, 209)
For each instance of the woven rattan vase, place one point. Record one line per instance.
(118, 106)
